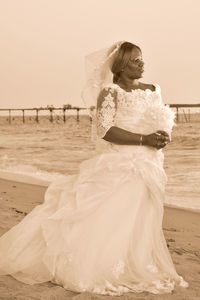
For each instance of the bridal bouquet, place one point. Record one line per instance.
(159, 116)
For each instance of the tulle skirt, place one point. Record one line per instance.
(98, 231)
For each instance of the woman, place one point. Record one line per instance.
(101, 230)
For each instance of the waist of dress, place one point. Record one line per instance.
(133, 151)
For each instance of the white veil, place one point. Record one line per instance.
(98, 73)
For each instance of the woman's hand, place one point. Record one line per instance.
(158, 140)
(120, 136)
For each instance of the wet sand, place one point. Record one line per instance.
(181, 229)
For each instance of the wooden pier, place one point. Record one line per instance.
(179, 106)
(50, 111)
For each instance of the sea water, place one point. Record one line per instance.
(41, 152)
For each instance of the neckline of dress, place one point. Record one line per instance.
(138, 90)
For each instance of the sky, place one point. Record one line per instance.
(43, 44)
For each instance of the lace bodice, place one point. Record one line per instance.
(139, 111)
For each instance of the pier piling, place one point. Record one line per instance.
(37, 117)
(23, 117)
(9, 118)
(64, 117)
(77, 114)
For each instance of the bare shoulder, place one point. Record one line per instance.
(148, 86)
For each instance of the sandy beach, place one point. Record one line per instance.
(181, 229)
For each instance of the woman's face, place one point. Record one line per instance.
(135, 65)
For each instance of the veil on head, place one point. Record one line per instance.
(98, 73)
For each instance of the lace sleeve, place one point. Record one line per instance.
(106, 111)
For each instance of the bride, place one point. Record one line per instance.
(101, 230)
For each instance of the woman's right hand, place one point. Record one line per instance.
(158, 140)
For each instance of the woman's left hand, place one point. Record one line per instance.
(162, 139)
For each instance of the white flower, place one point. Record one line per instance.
(152, 268)
(118, 268)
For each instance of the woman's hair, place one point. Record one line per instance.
(122, 58)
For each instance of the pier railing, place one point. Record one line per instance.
(183, 112)
(186, 115)
(49, 111)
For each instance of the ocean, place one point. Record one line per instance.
(47, 151)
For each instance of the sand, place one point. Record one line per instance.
(181, 229)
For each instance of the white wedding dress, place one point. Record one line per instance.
(101, 230)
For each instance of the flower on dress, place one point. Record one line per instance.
(152, 268)
(118, 268)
